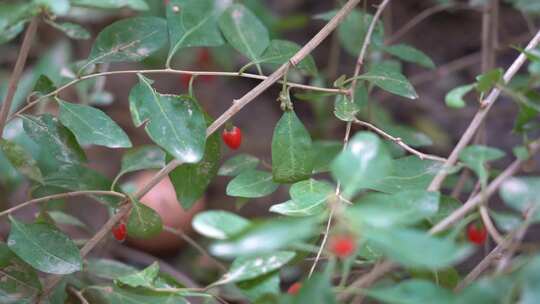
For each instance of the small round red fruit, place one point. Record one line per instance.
(119, 232)
(294, 288)
(232, 137)
(185, 79)
(476, 233)
(342, 246)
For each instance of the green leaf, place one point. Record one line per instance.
(44, 247)
(58, 146)
(143, 278)
(219, 224)
(142, 158)
(403, 245)
(325, 152)
(292, 153)
(139, 5)
(57, 7)
(238, 164)
(399, 209)
(476, 156)
(244, 31)
(408, 53)
(117, 295)
(266, 237)
(143, 222)
(280, 51)
(530, 293)
(486, 81)
(407, 173)
(130, 39)
(412, 291)
(193, 23)
(18, 281)
(505, 221)
(390, 80)
(307, 198)
(489, 290)
(175, 123)
(362, 164)
(252, 184)
(352, 32)
(454, 98)
(261, 286)
(191, 180)
(345, 109)
(522, 193)
(108, 269)
(44, 85)
(72, 30)
(316, 290)
(247, 268)
(21, 160)
(92, 126)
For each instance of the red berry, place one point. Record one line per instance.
(119, 232)
(294, 288)
(476, 234)
(342, 246)
(232, 138)
(184, 80)
(203, 57)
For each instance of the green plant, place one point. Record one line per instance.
(378, 210)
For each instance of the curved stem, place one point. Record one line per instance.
(59, 196)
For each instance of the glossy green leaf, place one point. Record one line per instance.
(522, 193)
(454, 98)
(399, 209)
(261, 286)
(352, 32)
(292, 154)
(252, 184)
(139, 5)
(175, 123)
(476, 156)
(325, 152)
(108, 269)
(21, 160)
(390, 80)
(307, 198)
(280, 51)
(238, 164)
(344, 109)
(193, 23)
(44, 247)
(447, 205)
(143, 278)
(316, 290)
(219, 224)
(143, 222)
(530, 293)
(246, 268)
(407, 173)
(488, 80)
(18, 281)
(57, 144)
(117, 295)
(403, 246)
(44, 85)
(412, 291)
(362, 164)
(190, 181)
(142, 158)
(506, 221)
(244, 31)
(266, 237)
(408, 53)
(72, 30)
(130, 39)
(91, 126)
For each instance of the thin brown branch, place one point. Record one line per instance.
(479, 117)
(490, 227)
(78, 294)
(220, 121)
(398, 141)
(17, 72)
(60, 196)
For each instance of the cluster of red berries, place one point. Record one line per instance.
(476, 233)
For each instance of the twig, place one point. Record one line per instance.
(17, 71)
(479, 117)
(235, 108)
(490, 227)
(59, 196)
(399, 142)
(323, 243)
(168, 71)
(192, 242)
(78, 294)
